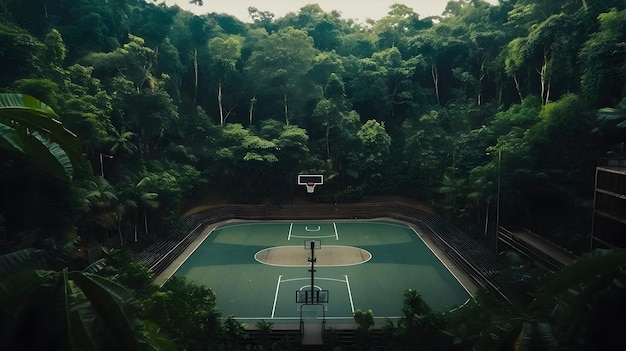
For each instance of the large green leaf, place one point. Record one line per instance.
(29, 125)
(503, 336)
(157, 340)
(51, 155)
(7, 138)
(583, 270)
(81, 317)
(17, 287)
(16, 261)
(115, 306)
(96, 266)
(539, 337)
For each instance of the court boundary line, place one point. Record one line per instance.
(444, 264)
(276, 295)
(312, 237)
(349, 293)
(177, 267)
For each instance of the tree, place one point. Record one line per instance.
(368, 89)
(397, 74)
(188, 312)
(22, 54)
(419, 324)
(279, 65)
(603, 57)
(225, 54)
(102, 202)
(370, 157)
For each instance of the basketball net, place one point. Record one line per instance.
(310, 187)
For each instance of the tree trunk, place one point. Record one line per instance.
(435, 75)
(545, 84)
(487, 219)
(286, 112)
(519, 93)
(327, 140)
(195, 70)
(219, 102)
(252, 101)
(145, 220)
(119, 231)
(480, 82)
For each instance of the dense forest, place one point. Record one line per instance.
(485, 108)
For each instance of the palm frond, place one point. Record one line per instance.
(115, 306)
(16, 287)
(16, 261)
(583, 270)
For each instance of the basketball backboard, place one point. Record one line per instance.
(310, 180)
(312, 297)
(312, 244)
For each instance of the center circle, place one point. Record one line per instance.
(297, 256)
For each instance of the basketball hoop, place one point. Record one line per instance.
(310, 181)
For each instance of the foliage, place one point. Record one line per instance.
(187, 312)
(364, 319)
(82, 310)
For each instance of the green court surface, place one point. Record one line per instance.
(227, 261)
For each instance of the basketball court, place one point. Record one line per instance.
(262, 270)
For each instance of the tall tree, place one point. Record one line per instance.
(369, 159)
(603, 57)
(279, 65)
(224, 54)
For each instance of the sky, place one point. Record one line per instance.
(359, 10)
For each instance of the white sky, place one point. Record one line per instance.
(359, 10)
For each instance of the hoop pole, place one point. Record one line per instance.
(312, 270)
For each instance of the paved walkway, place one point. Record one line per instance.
(538, 245)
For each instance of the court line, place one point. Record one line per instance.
(290, 228)
(419, 236)
(336, 235)
(349, 293)
(308, 287)
(276, 295)
(200, 242)
(312, 237)
(309, 278)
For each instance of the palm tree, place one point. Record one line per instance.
(123, 142)
(147, 200)
(451, 188)
(77, 310)
(103, 202)
(31, 127)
